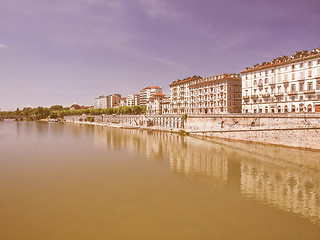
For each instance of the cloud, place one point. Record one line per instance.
(2, 46)
(157, 8)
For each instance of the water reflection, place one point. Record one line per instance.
(288, 179)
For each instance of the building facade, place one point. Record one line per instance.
(286, 84)
(147, 93)
(113, 100)
(100, 102)
(212, 95)
(154, 104)
(107, 101)
(133, 100)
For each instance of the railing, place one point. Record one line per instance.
(266, 95)
(278, 94)
(254, 96)
(293, 93)
(309, 91)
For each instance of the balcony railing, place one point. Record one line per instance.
(266, 95)
(246, 97)
(309, 91)
(254, 96)
(260, 84)
(293, 93)
(278, 94)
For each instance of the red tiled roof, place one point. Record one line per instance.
(184, 80)
(158, 94)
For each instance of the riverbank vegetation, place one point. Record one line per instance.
(58, 111)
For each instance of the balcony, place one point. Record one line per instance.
(310, 91)
(246, 97)
(254, 96)
(293, 93)
(278, 94)
(286, 81)
(260, 85)
(272, 83)
(266, 95)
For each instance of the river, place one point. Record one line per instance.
(68, 181)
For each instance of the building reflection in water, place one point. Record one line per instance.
(288, 179)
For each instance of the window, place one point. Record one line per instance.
(292, 67)
(301, 65)
(266, 81)
(310, 86)
(309, 64)
(318, 61)
(301, 87)
(293, 87)
(310, 73)
(293, 76)
(255, 82)
(318, 85)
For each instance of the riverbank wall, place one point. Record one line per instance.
(301, 130)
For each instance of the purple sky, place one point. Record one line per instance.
(70, 51)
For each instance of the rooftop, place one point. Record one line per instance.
(296, 57)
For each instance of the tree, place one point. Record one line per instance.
(56, 108)
(54, 115)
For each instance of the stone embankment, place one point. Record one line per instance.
(299, 130)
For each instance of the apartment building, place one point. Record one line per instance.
(123, 102)
(211, 95)
(154, 104)
(133, 100)
(107, 101)
(147, 93)
(179, 94)
(100, 102)
(113, 100)
(286, 84)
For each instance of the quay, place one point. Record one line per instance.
(299, 130)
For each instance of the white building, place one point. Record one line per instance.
(154, 104)
(286, 84)
(147, 93)
(133, 100)
(100, 102)
(211, 95)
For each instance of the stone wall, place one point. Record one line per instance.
(294, 130)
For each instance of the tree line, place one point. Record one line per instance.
(58, 111)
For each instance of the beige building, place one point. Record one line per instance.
(211, 95)
(147, 93)
(133, 100)
(154, 104)
(123, 102)
(286, 84)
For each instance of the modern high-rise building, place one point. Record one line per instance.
(113, 100)
(100, 102)
(286, 84)
(133, 100)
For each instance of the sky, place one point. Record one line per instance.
(71, 51)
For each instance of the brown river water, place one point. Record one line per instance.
(65, 182)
